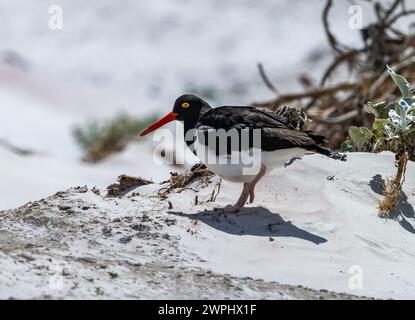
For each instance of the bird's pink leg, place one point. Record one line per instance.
(241, 201)
(247, 192)
(254, 182)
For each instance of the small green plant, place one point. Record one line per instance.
(393, 130)
(113, 275)
(99, 140)
(99, 291)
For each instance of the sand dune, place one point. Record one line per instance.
(313, 232)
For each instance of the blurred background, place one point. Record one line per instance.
(115, 65)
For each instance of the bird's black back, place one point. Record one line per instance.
(276, 132)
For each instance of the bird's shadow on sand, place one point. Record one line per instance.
(403, 211)
(255, 221)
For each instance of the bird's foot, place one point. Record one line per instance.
(241, 201)
(232, 209)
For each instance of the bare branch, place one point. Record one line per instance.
(398, 16)
(338, 61)
(339, 119)
(317, 93)
(391, 9)
(265, 78)
(339, 48)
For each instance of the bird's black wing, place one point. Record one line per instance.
(275, 131)
(241, 117)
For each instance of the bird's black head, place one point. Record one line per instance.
(186, 108)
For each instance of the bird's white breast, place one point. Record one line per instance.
(244, 166)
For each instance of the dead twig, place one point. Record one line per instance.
(265, 78)
(337, 62)
(339, 119)
(317, 93)
(336, 46)
(14, 149)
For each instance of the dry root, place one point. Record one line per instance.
(393, 187)
(392, 194)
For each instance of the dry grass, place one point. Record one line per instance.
(179, 182)
(125, 184)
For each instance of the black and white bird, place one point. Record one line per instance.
(277, 137)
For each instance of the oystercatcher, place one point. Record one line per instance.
(278, 136)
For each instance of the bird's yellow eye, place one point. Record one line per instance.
(185, 105)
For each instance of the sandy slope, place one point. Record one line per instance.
(314, 224)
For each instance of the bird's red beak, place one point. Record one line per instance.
(168, 118)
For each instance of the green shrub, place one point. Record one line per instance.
(100, 139)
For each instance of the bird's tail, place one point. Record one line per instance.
(329, 153)
(325, 151)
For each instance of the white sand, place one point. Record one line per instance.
(303, 229)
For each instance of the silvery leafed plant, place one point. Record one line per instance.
(393, 130)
